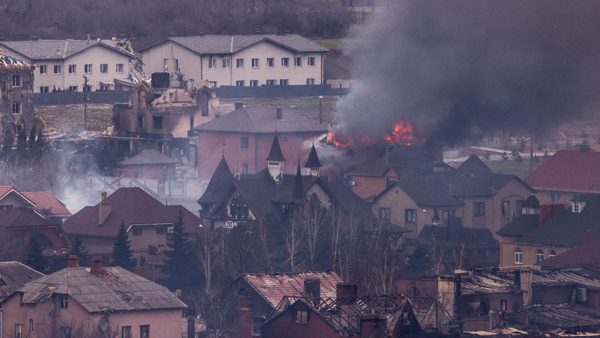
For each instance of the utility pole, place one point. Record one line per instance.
(531, 153)
(85, 99)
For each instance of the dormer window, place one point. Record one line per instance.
(578, 207)
(531, 211)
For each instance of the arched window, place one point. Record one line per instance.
(539, 255)
(552, 253)
(518, 256)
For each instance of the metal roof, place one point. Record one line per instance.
(13, 275)
(59, 49)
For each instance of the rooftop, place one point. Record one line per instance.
(48, 204)
(10, 63)
(568, 170)
(148, 156)
(59, 49)
(13, 275)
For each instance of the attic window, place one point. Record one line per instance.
(578, 207)
(64, 301)
(301, 317)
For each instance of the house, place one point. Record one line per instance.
(246, 135)
(150, 164)
(239, 60)
(482, 198)
(587, 255)
(260, 294)
(16, 91)
(13, 275)
(63, 64)
(565, 175)
(43, 201)
(314, 315)
(548, 230)
(79, 301)
(147, 221)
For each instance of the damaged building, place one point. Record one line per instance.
(16, 96)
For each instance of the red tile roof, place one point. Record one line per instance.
(132, 205)
(273, 287)
(23, 217)
(568, 170)
(585, 255)
(46, 202)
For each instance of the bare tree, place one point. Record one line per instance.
(294, 237)
(314, 229)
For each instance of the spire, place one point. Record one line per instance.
(298, 192)
(218, 184)
(275, 154)
(313, 159)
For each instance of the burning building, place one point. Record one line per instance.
(16, 96)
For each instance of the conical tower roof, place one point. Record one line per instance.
(298, 193)
(313, 159)
(218, 185)
(275, 154)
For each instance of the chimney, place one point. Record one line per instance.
(103, 195)
(312, 287)
(345, 290)
(280, 113)
(549, 210)
(368, 324)
(239, 105)
(439, 167)
(104, 211)
(96, 266)
(526, 280)
(587, 237)
(73, 261)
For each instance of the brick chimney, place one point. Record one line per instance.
(549, 210)
(312, 287)
(346, 290)
(371, 322)
(587, 237)
(73, 261)
(96, 266)
(104, 210)
(103, 195)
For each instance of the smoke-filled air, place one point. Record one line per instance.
(458, 68)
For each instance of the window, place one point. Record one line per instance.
(283, 138)
(301, 317)
(43, 69)
(119, 68)
(226, 63)
(300, 138)
(384, 214)
(44, 89)
(479, 209)
(539, 255)
(503, 305)
(283, 82)
(518, 256)
(411, 215)
(311, 61)
(239, 83)
(254, 63)
(160, 230)
(310, 81)
(140, 122)
(104, 68)
(144, 331)
(244, 142)
(270, 82)
(126, 332)
(576, 207)
(137, 231)
(16, 80)
(57, 69)
(212, 63)
(244, 168)
(270, 62)
(552, 253)
(72, 69)
(64, 301)
(157, 122)
(16, 108)
(19, 330)
(506, 209)
(213, 83)
(87, 69)
(239, 63)
(87, 88)
(285, 62)
(253, 83)
(30, 325)
(554, 196)
(447, 215)
(297, 62)
(72, 88)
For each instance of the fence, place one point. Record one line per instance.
(56, 98)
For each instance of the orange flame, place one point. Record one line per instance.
(402, 134)
(333, 139)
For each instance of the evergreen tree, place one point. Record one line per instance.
(122, 254)
(32, 255)
(180, 261)
(78, 247)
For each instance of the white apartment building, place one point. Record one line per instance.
(63, 64)
(239, 60)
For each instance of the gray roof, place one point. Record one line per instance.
(262, 120)
(58, 49)
(228, 44)
(117, 290)
(148, 156)
(13, 275)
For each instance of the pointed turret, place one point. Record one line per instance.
(218, 186)
(313, 164)
(275, 160)
(298, 193)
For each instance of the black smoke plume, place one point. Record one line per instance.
(462, 67)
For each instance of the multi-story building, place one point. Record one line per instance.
(239, 60)
(16, 85)
(63, 64)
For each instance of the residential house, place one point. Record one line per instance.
(482, 198)
(43, 201)
(587, 255)
(16, 94)
(565, 175)
(63, 64)
(549, 230)
(13, 275)
(260, 294)
(147, 221)
(150, 164)
(79, 301)
(239, 60)
(246, 134)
